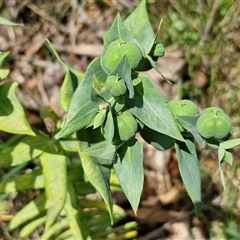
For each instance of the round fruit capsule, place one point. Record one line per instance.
(214, 110)
(183, 107)
(159, 50)
(211, 125)
(126, 125)
(116, 51)
(116, 86)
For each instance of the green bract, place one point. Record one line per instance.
(126, 126)
(116, 51)
(214, 123)
(115, 86)
(182, 108)
(159, 50)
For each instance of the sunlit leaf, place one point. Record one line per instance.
(82, 108)
(12, 116)
(139, 26)
(129, 170)
(4, 73)
(33, 180)
(189, 123)
(230, 143)
(4, 21)
(55, 178)
(189, 170)
(29, 211)
(25, 150)
(151, 108)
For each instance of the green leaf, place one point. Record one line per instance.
(4, 21)
(32, 226)
(108, 127)
(189, 123)
(151, 108)
(4, 73)
(103, 150)
(29, 212)
(74, 212)
(25, 150)
(117, 31)
(154, 65)
(68, 87)
(230, 143)
(12, 116)
(97, 174)
(82, 107)
(228, 157)
(3, 56)
(139, 26)
(129, 170)
(70, 82)
(99, 118)
(55, 229)
(221, 165)
(123, 70)
(158, 140)
(221, 153)
(55, 178)
(189, 170)
(33, 180)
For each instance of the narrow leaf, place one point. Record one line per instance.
(74, 212)
(228, 157)
(31, 227)
(129, 170)
(108, 127)
(189, 123)
(221, 171)
(221, 153)
(4, 73)
(33, 180)
(3, 56)
(151, 108)
(55, 229)
(70, 82)
(4, 21)
(189, 170)
(98, 175)
(123, 70)
(29, 212)
(55, 178)
(230, 143)
(12, 116)
(82, 107)
(99, 118)
(25, 150)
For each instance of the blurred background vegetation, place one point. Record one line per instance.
(202, 40)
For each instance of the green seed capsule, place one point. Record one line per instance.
(126, 126)
(159, 50)
(214, 125)
(116, 86)
(116, 51)
(183, 107)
